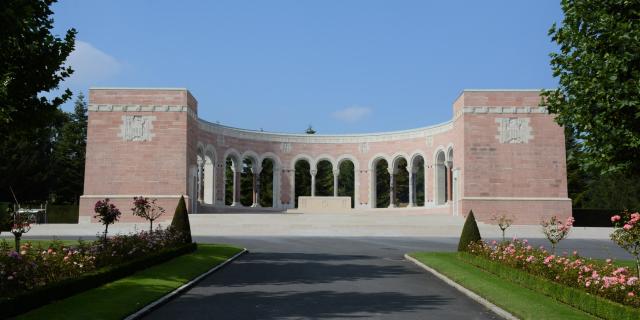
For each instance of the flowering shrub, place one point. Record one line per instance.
(598, 278)
(503, 222)
(33, 267)
(20, 224)
(555, 230)
(148, 209)
(107, 214)
(627, 234)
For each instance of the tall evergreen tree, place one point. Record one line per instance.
(69, 155)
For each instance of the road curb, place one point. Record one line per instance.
(164, 299)
(497, 310)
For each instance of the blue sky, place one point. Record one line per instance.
(342, 66)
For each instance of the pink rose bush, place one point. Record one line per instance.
(556, 230)
(34, 266)
(626, 234)
(599, 278)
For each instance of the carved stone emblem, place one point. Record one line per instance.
(137, 128)
(285, 147)
(429, 141)
(364, 147)
(514, 130)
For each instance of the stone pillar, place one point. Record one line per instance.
(412, 181)
(199, 179)
(449, 181)
(313, 182)
(336, 173)
(256, 188)
(426, 182)
(236, 187)
(392, 190)
(209, 185)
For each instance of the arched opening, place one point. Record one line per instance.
(417, 182)
(381, 180)
(400, 183)
(266, 187)
(200, 175)
(302, 180)
(232, 172)
(440, 178)
(246, 182)
(346, 180)
(324, 179)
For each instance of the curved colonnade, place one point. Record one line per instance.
(224, 154)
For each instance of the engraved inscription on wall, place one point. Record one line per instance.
(514, 130)
(137, 128)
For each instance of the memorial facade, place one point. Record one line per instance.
(501, 153)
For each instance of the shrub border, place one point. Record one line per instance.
(59, 290)
(589, 303)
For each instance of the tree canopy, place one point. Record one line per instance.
(598, 67)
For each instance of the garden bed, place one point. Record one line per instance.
(512, 297)
(36, 275)
(118, 299)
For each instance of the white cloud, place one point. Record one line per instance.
(91, 65)
(352, 114)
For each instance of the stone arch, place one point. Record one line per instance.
(302, 183)
(324, 157)
(253, 156)
(440, 177)
(276, 184)
(323, 179)
(292, 163)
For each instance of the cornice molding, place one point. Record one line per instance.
(508, 110)
(139, 108)
(318, 138)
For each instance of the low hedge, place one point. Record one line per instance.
(62, 213)
(594, 217)
(576, 298)
(22, 303)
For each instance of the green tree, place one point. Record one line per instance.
(180, 221)
(266, 183)
(302, 180)
(382, 184)
(31, 62)
(470, 232)
(324, 179)
(598, 66)
(346, 180)
(69, 155)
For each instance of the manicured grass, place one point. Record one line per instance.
(519, 301)
(120, 298)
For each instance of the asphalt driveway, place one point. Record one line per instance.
(322, 278)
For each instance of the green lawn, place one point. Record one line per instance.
(120, 298)
(519, 301)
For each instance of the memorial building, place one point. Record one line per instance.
(501, 153)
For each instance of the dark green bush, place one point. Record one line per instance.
(4, 216)
(62, 213)
(66, 288)
(594, 217)
(470, 232)
(180, 220)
